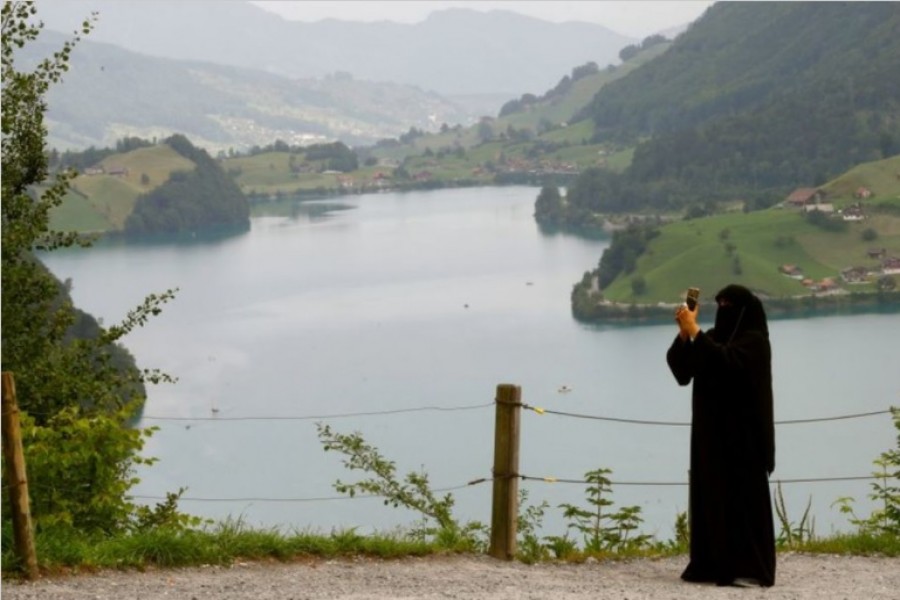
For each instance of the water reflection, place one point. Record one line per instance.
(298, 208)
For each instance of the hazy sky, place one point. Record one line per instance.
(636, 19)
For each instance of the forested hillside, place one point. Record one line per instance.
(753, 100)
(203, 198)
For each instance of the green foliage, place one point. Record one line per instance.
(886, 283)
(750, 102)
(793, 535)
(63, 358)
(826, 222)
(79, 160)
(885, 490)
(527, 101)
(414, 492)
(868, 235)
(630, 51)
(25, 217)
(858, 543)
(221, 543)
(694, 251)
(622, 254)
(603, 530)
(337, 156)
(528, 524)
(549, 207)
(78, 390)
(682, 531)
(60, 356)
(638, 286)
(165, 515)
(203, 198)
(81, 468)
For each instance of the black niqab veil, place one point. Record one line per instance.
(732, 442)
(743, 310)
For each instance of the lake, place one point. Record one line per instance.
(385, 303)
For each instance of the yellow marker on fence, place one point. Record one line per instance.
(538, 410)
(551, 479)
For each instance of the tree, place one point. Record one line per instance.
(204, 198)
(549, 207)
(485, 130)
(34, 320)
(638, 286)
(69, 386)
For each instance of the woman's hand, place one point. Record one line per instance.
(687, 322)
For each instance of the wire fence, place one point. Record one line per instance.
(524, 477)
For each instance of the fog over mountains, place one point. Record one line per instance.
(229, 74)
(453, 52)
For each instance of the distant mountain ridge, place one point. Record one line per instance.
(110, 93)
(453, 52)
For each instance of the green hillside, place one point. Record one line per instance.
(544, 134)
(755, 99)
(564, 107)
(164, 188)
(751, 249)
(102, 201)
(881, 177)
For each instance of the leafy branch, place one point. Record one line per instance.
(413, 492)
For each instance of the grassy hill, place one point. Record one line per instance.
(750, 248)
(164, 188)
(102, 201)
(881, 177)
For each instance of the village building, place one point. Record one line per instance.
(855, 275)
(823, 208)
(803, 196)
(890, 266)
(853, 213)
(792, 271)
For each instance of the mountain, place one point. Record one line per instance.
(110, 93)
(741, 57)
(755, 99)
(453, 52)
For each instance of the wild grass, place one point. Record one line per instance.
(859, 544)
(62, 549)
(231, 541)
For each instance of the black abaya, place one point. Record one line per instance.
(732, 443)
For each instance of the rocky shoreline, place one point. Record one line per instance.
(776, 308)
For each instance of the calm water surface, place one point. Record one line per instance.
(431, 299)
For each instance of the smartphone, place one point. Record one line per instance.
(690, 299)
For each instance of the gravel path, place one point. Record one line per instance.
(799, 577)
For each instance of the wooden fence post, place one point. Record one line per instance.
(23, 535)
(505, 507)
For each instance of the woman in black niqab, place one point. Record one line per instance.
(732, 439)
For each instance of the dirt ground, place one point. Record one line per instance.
(816, 577)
